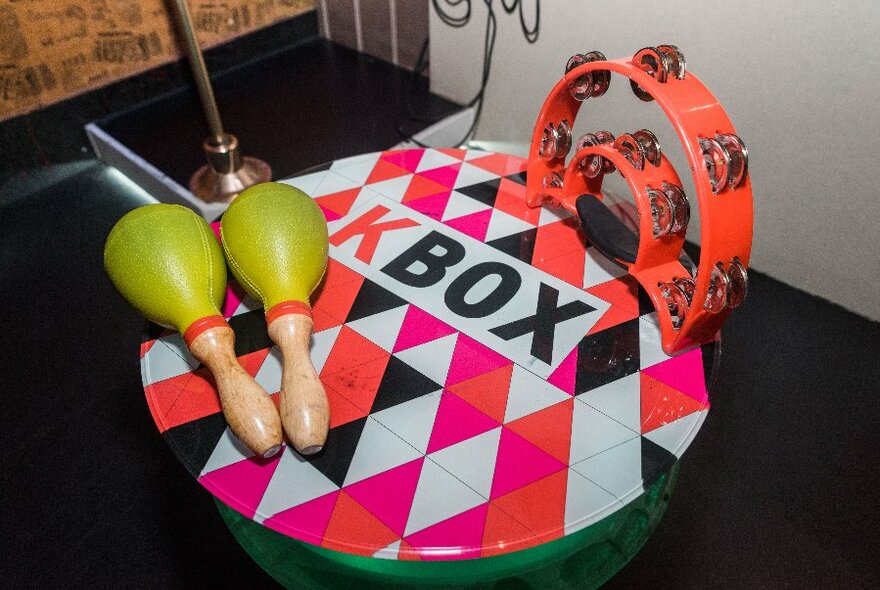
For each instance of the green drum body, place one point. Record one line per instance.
(502, 412)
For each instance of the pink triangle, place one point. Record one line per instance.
(419, 327)
(475, 225)
(388, 496)
(433, 205)
(306, 522)
(462, 533)
(564, 375)
(330, 215)
(234, 295)
(519, 463)
(407, 159)
(684, 373)
(471, 359)
(445, 175)
(241, 485)
(456, 421)
(215, 225)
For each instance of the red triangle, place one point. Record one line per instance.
(197, 399)
(358, 383)
(408, 159)
(386, 171)
(342, 411)
(420, 187)
(548, 429)
(500, 164)
(487, 392)
(306, 522)
(389, 495)
(350, 350)
(336, 301)
(540, 506)
(456, 421)
(519, 463)
(339, 274)
(613, 316)
(341, 202)
(511, 198)
(463, 531)
(453, 152)
(568, 267)
(242, 485)
(354, 529)
(503, 533)
(622, 292)
(407, 552)
(662, 404)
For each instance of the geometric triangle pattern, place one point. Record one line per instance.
(439, 446)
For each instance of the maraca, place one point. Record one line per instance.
(165, 260)
(275, 240)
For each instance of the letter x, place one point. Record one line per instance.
(543, 323)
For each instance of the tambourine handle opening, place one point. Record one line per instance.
(606, 232)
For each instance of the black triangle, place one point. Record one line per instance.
(401, 383)
(334, 460)
(250, 332)
(372, 299)
(646, 306)
(519, 177)
(484, 192)
(193, 442)
(607, 356)
(655, 461)
(521, 245)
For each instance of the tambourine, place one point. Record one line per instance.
(690, 308)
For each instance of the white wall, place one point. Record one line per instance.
(799, 79)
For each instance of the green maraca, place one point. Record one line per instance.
(275, 240)
(165, 260)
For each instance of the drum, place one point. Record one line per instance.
(502, 411)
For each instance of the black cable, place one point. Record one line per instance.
(530, 34)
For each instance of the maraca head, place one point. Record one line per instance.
(165, 260)
(275, 240)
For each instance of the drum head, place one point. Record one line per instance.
(494, 385)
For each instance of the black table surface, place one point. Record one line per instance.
(780, 488)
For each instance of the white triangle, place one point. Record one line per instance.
(357, 168)
(393, 188)
(247, 304)
(269, 375)
(381, 328)
(333, 183)
(552, 215)
(586, 503)
(322, 344)
(438, 496)
(676, 436)
(167, 358)
(502, 224)
(433, 159)
(592, 432)
(598, 269)
(460, 205)
(307, 183)
(472, 460)
(529, 393)
(433, 358)
(295, 482)
(650, 348)
(413, 420)
(469, 175)
(474, 154)
(378, 450)
(388, 552)
(228, 450)
(618, 470)
(621, 399)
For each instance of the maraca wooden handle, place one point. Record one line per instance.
(248, 409)
(305, 412)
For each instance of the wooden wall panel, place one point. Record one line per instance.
(53, 49)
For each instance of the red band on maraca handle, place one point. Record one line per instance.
(287, 307)
(199, 327)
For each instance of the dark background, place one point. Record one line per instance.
(780, 489)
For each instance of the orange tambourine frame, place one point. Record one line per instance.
(691, 309)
